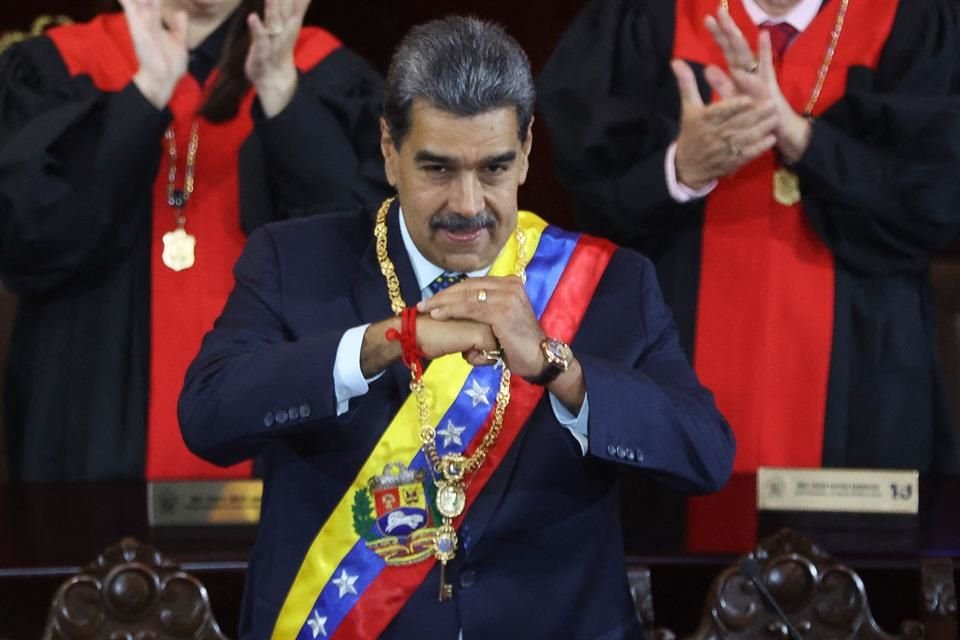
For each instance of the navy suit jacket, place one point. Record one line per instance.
(541, 550)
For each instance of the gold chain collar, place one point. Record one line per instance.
(827, 58)
(453, 469)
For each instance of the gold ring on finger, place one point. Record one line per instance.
(273, 32)
(735, 151)
(754, 67)
(482, 296)
(492, 354)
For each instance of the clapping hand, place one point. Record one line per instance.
(717, 139)
(161, 50)
(269, 65)
(755, 75)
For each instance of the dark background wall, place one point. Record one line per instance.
(373, 27)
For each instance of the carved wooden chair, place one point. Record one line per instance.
(132, 592)
(791, 589)
(641, 590)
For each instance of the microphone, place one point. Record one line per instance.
(750, 568)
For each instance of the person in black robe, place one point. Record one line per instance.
(78, 167)
(877, 181)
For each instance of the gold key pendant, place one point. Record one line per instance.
(445, 548)
(446, 589)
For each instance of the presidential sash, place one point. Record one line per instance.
(376, 547)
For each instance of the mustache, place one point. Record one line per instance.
(457, 223)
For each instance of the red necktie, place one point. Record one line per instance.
(781, 34)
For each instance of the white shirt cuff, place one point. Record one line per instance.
(576, 424)
(348, 380)
(678, 191)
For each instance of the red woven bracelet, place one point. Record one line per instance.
(407, 337)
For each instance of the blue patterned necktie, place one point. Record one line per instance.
(445, 280)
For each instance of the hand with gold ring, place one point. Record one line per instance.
(502, 304)
(704, 148)
(269, 65)
(755, 75)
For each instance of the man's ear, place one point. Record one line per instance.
(525, 149)
(391, 156)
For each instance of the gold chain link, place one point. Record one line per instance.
(178, 200)
(428, 434)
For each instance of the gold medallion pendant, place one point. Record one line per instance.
(451, 499)
(786, 187)
(179, 249)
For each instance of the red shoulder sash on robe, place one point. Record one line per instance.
(764, 326)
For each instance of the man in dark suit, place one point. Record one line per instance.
(473, 496)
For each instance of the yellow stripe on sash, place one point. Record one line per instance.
(443, 380)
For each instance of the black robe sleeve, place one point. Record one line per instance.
(322, 152)
(880, 177)
(611, 104)
(72, 188)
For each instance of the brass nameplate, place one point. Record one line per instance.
(843, 490)
(232, 502)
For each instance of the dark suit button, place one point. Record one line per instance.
(467, 578)
(611, 450)
(294, 413)
(631, 456)
(304, 410)
(268, 420)
(282, 417)
(621, 453)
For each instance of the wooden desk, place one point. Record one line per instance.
(48, 532)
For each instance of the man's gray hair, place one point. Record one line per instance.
(461, 65)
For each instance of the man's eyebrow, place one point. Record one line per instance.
(423, 157)
(429, 157)
(501, 158)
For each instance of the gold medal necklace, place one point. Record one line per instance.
(786, 184)
(452, 472)
(179, 247)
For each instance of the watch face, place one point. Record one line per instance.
(558, 353)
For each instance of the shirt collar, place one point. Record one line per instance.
(425, 270)
(206, 55)
(799, 17)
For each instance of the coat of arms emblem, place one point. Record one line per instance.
(395, 515)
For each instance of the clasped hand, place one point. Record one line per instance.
(162, 48)
(483, 314)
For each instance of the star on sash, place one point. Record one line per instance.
(451, 433)
(317, 624)
(345, 584)
(478, 393)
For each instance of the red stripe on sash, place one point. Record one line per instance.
(764, 327)
(391, 590)
(183, 304)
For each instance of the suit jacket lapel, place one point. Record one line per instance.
(370, 288)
